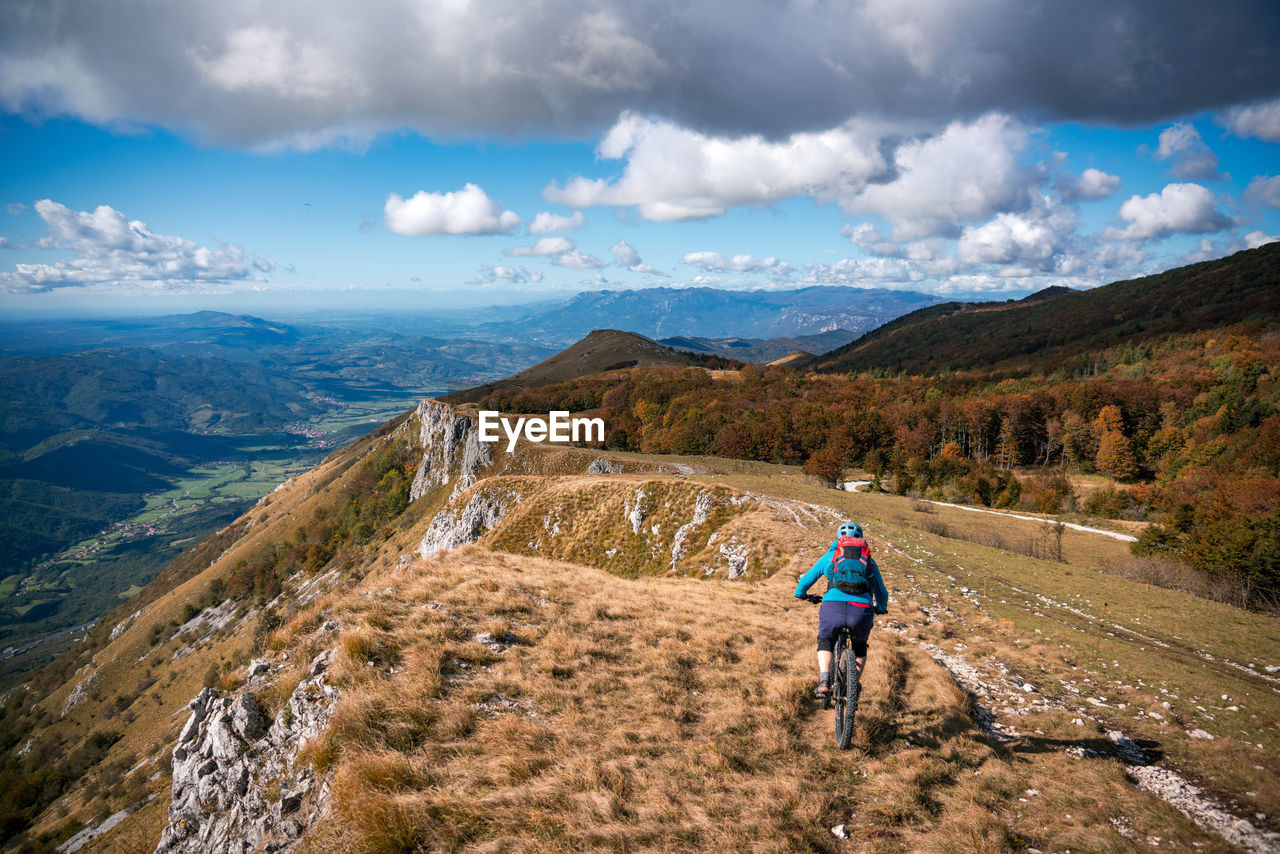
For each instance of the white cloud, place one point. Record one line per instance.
(110, 250)
(1264, 190)
(489, 274)
(544, 247)
(860, 272)
(1260, 120)
(1177, 208)
(626, 255)
(1031, 239)
(714, 262)
(1122, 258)
(964, 174)
(673, 173)
(577, 260)
(15, 208)
(1254, 239)
(466, 211)
(1192, 159)
(546, 222)
(1093, 184)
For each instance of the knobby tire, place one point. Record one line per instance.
(851, 695)
(840, 684)
(842, 681)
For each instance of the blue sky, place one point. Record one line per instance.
(273, 157)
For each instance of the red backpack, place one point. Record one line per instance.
(851, 566)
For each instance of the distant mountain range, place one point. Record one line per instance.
(1045, 330)
(695, 312)
(1057, 324)
(207, 329)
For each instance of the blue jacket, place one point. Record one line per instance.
(822, 567)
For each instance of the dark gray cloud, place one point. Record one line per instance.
(257, 73)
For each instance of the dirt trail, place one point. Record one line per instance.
(1000, 696)
(856, 486)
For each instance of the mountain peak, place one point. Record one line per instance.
(601, 350)
(1051, 292)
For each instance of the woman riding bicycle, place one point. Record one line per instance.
(854, 591)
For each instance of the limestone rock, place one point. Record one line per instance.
(452, 528)
(450, 448)
(226, 759)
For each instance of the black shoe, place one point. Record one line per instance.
(824, 689)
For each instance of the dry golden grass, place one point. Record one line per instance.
(672, 713)
(588, 519)
(667, 714)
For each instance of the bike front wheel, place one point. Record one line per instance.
(846, 696)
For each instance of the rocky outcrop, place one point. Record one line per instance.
(235, 784)
(701, 510)
(736, 555)
(450, 446)
(123, 626)
(636, 513)
(93, 831)
(604, 465)
(81, 691)
(452, 528)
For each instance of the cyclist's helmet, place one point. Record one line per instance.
(849, 529)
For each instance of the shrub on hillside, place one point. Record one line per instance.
(1049, 492)
(824, 464)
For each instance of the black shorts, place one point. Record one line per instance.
(834, 615)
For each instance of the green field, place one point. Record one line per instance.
(92, 576)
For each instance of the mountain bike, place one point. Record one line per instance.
(846, 686)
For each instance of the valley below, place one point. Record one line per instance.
(48, 607)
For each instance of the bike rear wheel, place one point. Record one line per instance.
(845, 676)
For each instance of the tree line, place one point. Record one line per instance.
(1187, 430)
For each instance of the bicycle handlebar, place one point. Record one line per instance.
(817, 600)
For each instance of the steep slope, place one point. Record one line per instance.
(428, 644)
(602, 350)
(1039, 332)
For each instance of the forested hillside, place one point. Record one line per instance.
(1186, 429)
(1057, 326)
